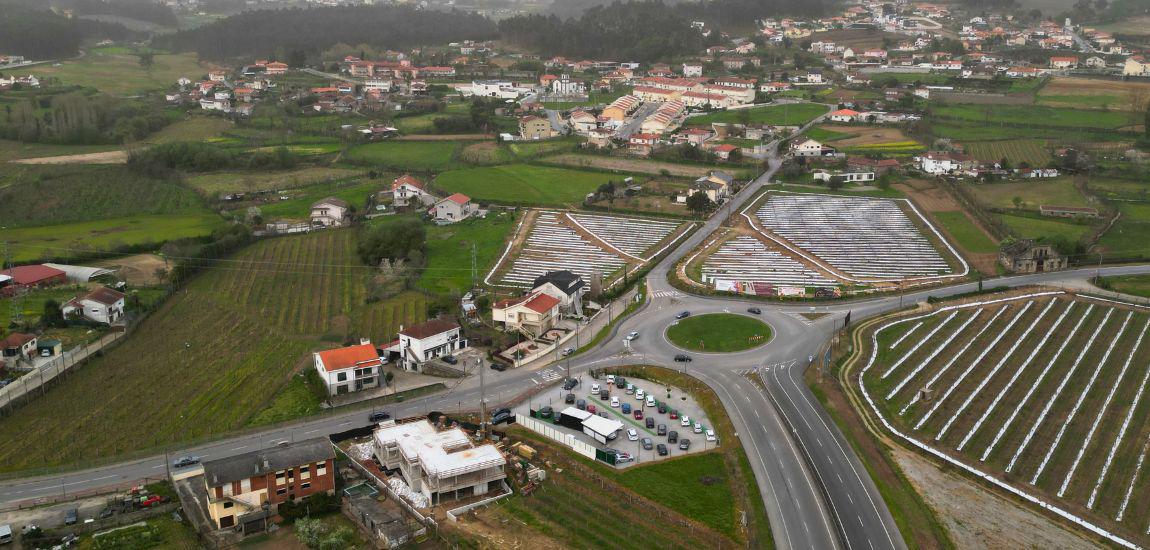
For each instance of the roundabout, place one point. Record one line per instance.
(719, 333)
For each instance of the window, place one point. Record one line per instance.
(227, 505)
(281, 491)
(341, 377)
(304, 469)
(321, 469)
(305, 485)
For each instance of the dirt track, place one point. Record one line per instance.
(108, 157)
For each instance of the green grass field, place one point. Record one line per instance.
(819, 133)
(1034, 152)
(449, 252)
(969, 236)
(1034, 193)
(14, 150)
(1037, 228)
(1130, 236)
(719, 332)
(211, 357)
(1004, 115)
(689, 485)
(1135, 285)
(783, 115)
(425, 124)
(298, 206)
(190, 129)
(407, 155)
(1110, 188)
(31, 243)
(524, 183)
(120, 74)
(231, 181)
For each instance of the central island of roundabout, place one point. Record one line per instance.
(719, 333)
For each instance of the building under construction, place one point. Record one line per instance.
(440, 464)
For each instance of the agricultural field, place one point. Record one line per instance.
(1122, 189)
(15, 150)
(425, 124)
(627, 165)
(826, 134)
(1044, 393)
(407, 155)
(1003, 115)
(33, 243)
(449, 251)
(524, 184)
(223, 348)
(1134, 285)
(795, 114)
(965, 233)
(1092, 93)
(298, 204)
(868, 140)
(1130, 235)
(1035, 227)
(1031, 194)
(190, 129)
(216, 183)
(1034, 153)
(121, 74)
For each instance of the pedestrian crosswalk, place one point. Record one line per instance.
(667, 294)
(550, 374)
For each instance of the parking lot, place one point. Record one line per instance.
(674, 399)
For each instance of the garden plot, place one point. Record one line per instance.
(1043, 395)
(591, 245)
(856, 238)
(746, 259)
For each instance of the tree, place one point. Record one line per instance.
(1017, 202)
(699, 203)
(406, 240)
(53, 316)
(311, 532)
(147, 60)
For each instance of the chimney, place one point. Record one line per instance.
(365, 341)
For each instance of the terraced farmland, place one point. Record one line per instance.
(1043, 394)
(586, 244)
(212, 357)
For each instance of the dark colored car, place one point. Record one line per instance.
(570, 383)
(662, 429)
(450, 359)
(647, 443)
(604, 395)
(682, 358)
(626, 408)
(581, 404)
(650, 423)
(185, 461)
(569, 399)
(638, 414)
(546, 412)
(754, 310)
(684, 444)
(662, 408)
(498, 367)
(71, 516)
(683, 315)
(501, 418)
(604, 414)
(672, 436)
(501, 410)
(620, 382)
(662, 449)
(378, 416)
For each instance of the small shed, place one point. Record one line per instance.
(48, 347)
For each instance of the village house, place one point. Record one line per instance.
(348, 369)
(103, 305)
(808, 148)
(619, 109)
(427, 341)
(243, 492)
(1136, 66)
(938, 163)
(440, 465)
(1026, 256)
(843, 177)
(276, 69)
(535, 127)
(406, 189)
(331, 212)
(454, 208)
(582, 122)
(845, 115)
(17, 347)
(716, 185)
(1064, 62)
(533, 314)
(643, 144)
(564, 285)
(1068, 211)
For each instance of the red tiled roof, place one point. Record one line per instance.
(105, 295)
(845, 112)
(429, 329)
(407, 179)
(542, 303)
(15, 340)
(346, 358)
(459, 198)
(726, 148)
(32, 274)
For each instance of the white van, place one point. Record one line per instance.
(5, 534)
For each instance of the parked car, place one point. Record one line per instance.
(662, 429)
(591, 409)
(698, 428)
(682, 358)
(630, 389)
(710, 435)
(684, 444)
(640, 394)
(498, 367)
(378, 416)
(185, 461)
(604, 394)
(569, 398)
(647, 444)
(501, 410)
(501, 418)
(633, 335)
(610, 379)
(638, 414)
(632, 435)
(683, 315)
(567, 351)
(604, 414)
(615, 401)
(661, 449)
(674, 414)
(570, 384)
(650, 400)
(71, 516)
(626, 408)
(754, 310)
(672, 436)
(620, 382)
(450, 359)
(594, 388)
(685, 421)
(662, 408)
(547, 411)
(650, 423)
(621, 457)
(581, 404)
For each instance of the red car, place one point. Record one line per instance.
(591, 409)
(674, 414)
(153, 500)
(638, 414)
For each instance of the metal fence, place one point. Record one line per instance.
(47, 372)
(546, 430)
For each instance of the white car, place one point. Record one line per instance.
(594, 388)
(615, 401)
(684, 421)
(650, 400)
(633, 335)
(698, 428)
(640, 394)
(710, 435)
(611, 379)
(632, 435)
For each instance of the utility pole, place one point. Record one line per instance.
(482, 400)
(474, 275)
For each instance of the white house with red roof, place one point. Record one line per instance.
(535, 313)
(353, 368)
(427, 341)
(407, 188)
(845, 115)
(454, 208)
(103, 305)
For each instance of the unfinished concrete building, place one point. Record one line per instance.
(439, 464)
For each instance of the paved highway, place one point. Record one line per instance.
(816, 492)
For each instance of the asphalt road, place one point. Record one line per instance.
(816, 492)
